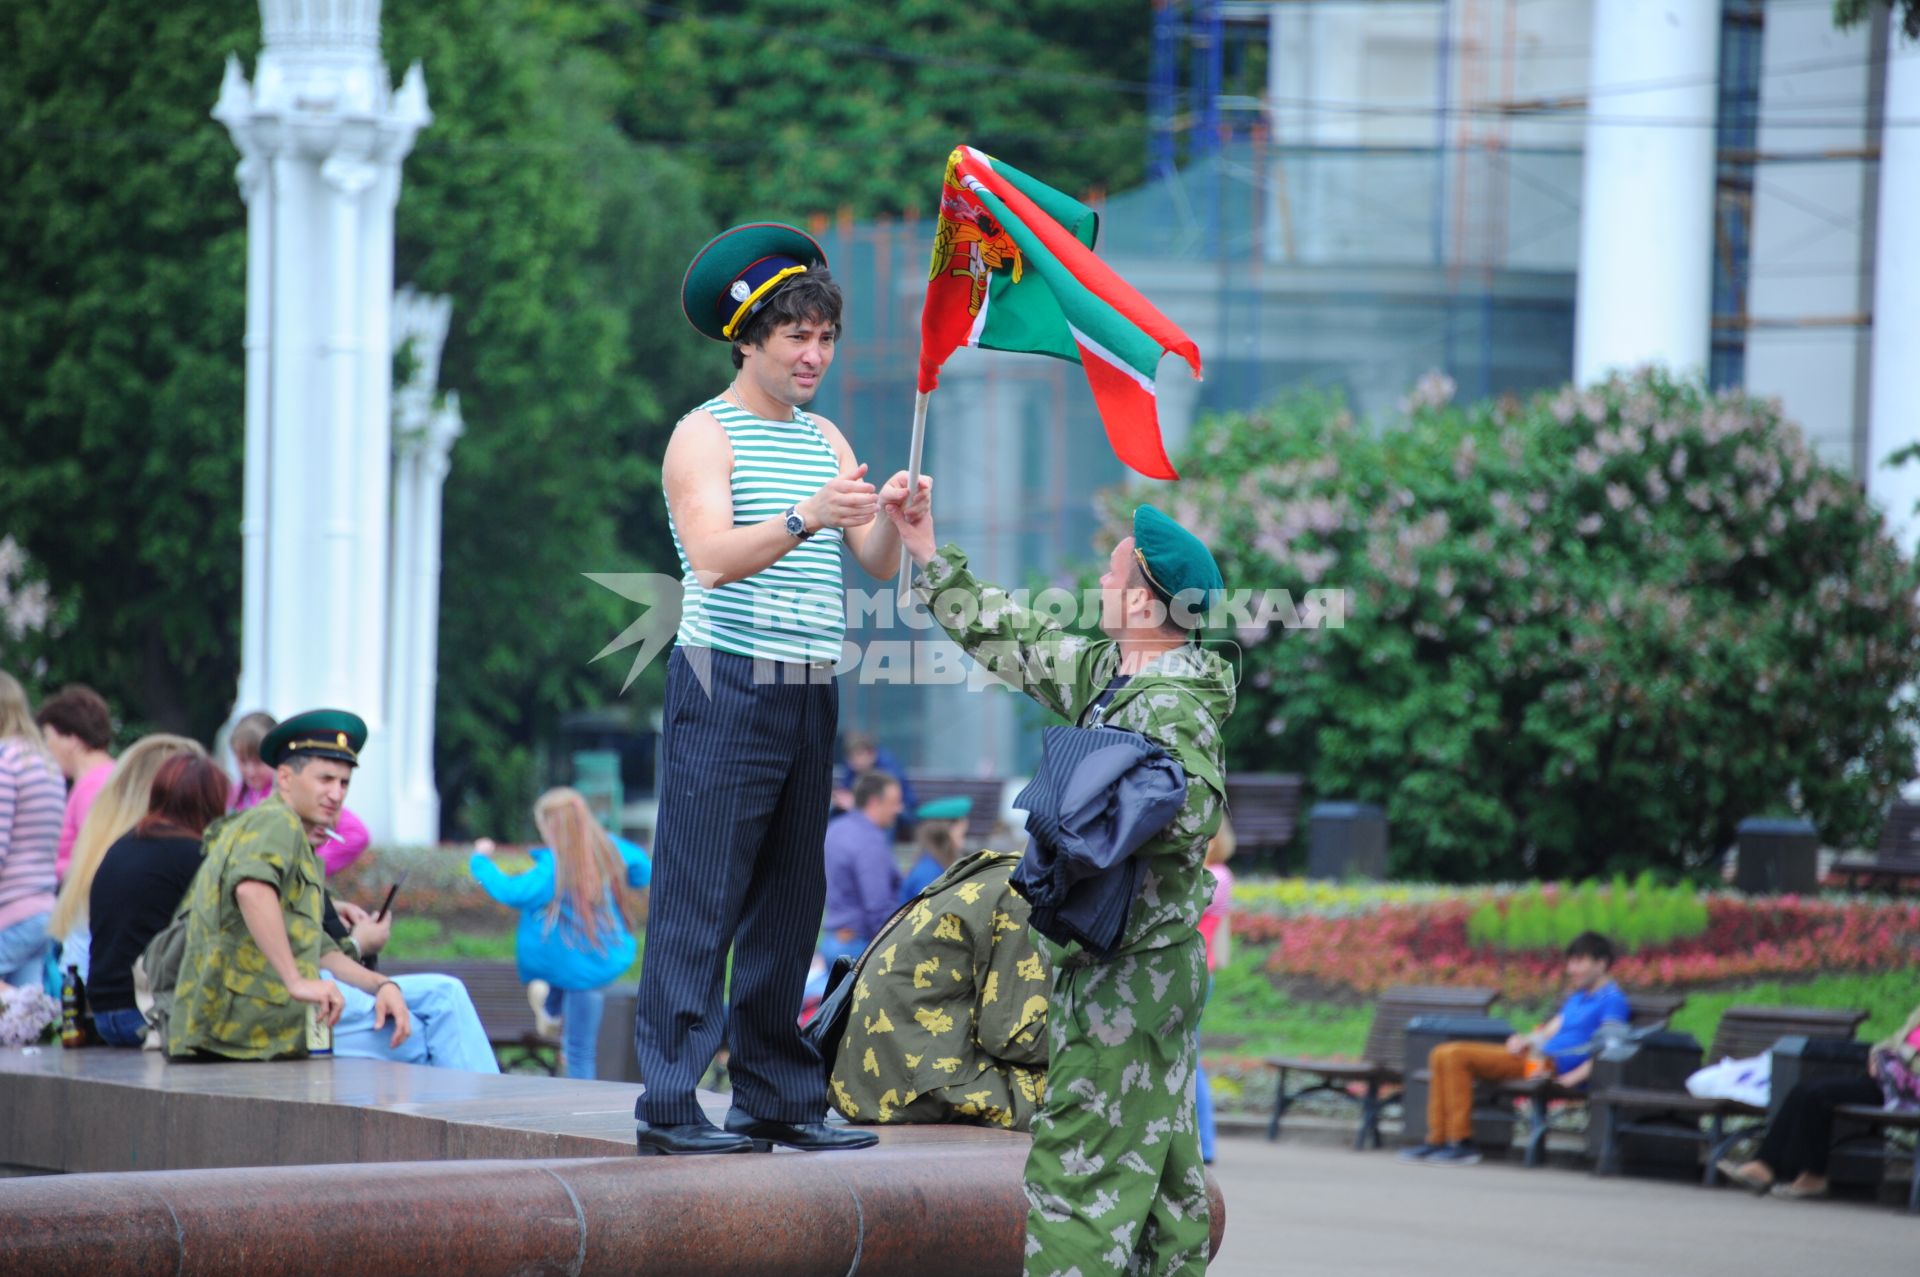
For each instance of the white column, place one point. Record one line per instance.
(323, 134)
(423, 435)
(416, 815)
(256, 187)
(292, 639)
(1646, 215)
(1893, 410)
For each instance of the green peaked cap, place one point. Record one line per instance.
(324, 733)
(737, 270)
(1175, 561)
(957, 808)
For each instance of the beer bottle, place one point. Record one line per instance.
(73, 1031)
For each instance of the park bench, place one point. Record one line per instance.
(985, 791)
(501, 1001)
(1896, 861)
(1881, 1123)
(1265, 810)
(1673, 1113)
(1542, 1096)
(1383, 1062)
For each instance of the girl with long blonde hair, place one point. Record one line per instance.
(33, 799)
(122, 804)
(576, 918)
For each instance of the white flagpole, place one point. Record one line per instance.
(914, 457)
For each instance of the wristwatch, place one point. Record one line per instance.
(796, 526)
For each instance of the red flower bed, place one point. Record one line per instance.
(1744, 940)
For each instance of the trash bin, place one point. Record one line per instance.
(1346, 840)
(1776, 857)
(1662, 1060)
(596, 774)
(614, 1059)
(1804, 1059)
(1492, 1128)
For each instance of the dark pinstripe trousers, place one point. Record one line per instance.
(738, 861)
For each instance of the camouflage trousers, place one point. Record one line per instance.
(1114, 1182)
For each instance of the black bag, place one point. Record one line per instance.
(829, 1023)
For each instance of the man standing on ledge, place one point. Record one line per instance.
(761, 498)
(1114, 1181)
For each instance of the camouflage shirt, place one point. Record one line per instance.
(229, 1000)
(948, 1021)
(1180, 702)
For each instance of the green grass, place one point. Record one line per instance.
(425, 939)
(1246, 1005)
(1888, 998)
(429, 940)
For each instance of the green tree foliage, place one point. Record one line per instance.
(121, 307)
(562, 245)
(813, 105)
(1847, 13)
(1588, 633)
(122, 265)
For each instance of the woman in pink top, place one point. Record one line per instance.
(31, 801)
(77, 727)
(349, 838)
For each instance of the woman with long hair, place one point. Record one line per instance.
(576, 917)
(121, 805)
(33, 799)
(140, 882)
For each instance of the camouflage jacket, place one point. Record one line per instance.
(948, 1021)
(229, 1002)
(1180, 701)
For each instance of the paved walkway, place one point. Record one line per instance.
(1304, 1208)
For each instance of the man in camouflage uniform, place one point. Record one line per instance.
(1115, 1182)
(254, 944)
(949, 1015)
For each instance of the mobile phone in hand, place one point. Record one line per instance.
(392, 891)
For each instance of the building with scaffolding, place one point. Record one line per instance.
(1349, 195)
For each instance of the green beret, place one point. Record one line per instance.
(323, 733)
(945, 809)
(1175, 561)
(738, 269)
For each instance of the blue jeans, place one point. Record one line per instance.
(447, 1032)
(1203, 1096)
(23, 951)
(125, 1027)
(580, 1011)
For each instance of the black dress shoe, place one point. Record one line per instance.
(687, 1137)
(812, 1137)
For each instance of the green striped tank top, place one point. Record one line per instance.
(794, 610)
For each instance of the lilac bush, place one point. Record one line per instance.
(1584, 634)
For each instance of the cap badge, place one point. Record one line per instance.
(740, 291)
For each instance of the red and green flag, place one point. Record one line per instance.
(1014, 269)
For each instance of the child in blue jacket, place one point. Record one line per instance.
(576, 916)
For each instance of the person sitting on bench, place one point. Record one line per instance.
(1563, 1045)
(1792, 1160)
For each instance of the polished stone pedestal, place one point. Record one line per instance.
(336, 1165)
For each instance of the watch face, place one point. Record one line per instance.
(795, 524)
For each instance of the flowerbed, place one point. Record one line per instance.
(1298, 897)
(1427, 943)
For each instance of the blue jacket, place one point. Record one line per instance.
(1100, 794)
(559, 955)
